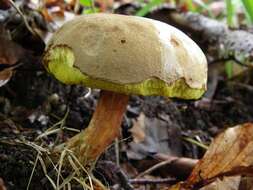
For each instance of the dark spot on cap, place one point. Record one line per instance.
(114, 50)
(123, 41)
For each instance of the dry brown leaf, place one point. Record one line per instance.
(51, 3)
(227, 183)
(230, 154)
(228, 158)
(152, 136)
(10, 54)
(46, 15)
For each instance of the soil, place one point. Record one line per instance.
(32, 101)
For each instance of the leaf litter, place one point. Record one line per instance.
(156, 127)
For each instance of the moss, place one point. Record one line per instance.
(59, 61)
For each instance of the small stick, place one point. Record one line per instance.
(153, 168)
(24, 19)
(171, 181)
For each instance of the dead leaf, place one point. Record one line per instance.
(10, 53)
(230, 154)
(159, 137)
(51, 3)
(46, 15)
(227, 183)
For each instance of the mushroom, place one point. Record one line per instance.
(122, 55)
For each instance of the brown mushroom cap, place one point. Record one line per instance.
(129, 50)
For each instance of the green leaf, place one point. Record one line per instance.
(86, 3)
(90, 11)
(190, 6)
(147, 8)
(230, 13)
(90, 5)
(204, 6)
(229, 69)
(248, 5)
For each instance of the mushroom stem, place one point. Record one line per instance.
(103, 128)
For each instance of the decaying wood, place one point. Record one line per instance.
(213, 36)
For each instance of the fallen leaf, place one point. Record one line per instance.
(230, 154)
(51, 3)
(10, 54)
(227, 183)
(152, 136)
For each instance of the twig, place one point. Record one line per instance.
(195, 142)
(171, 181)
(24, 19)
(117, 155)
(180, 167)
(242, 85)
(155, 167)
(33, 170)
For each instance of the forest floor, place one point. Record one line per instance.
(33, 101)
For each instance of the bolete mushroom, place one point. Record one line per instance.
(122, 55)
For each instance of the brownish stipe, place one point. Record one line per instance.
(104, 127)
